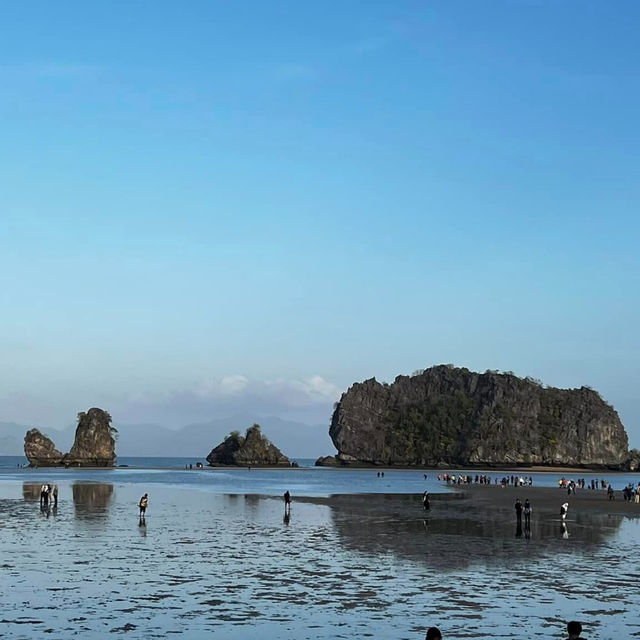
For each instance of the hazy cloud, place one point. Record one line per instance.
(308, 400)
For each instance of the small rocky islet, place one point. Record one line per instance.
(94, 444)
(251, 450)
(450, 416)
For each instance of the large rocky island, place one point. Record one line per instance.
(94, 444)
(445, 416)
(251, 450)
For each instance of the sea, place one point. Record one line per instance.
(356, 557)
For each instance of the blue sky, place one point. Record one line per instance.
(210, 206)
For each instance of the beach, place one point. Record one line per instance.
(341, 566)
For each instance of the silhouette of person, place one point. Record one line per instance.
(425, 501)
(563, 510)
(574, 629)
(433, 633)
(287, 501)
(527, 514)
(518, 508)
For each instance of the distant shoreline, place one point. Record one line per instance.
(464, 471)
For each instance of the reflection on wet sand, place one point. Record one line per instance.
(92, 500)
(456, 534)
(31, 491)
(344, 567)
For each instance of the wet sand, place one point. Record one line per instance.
(349, 566)
(548, 500)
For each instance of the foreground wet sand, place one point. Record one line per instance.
(351, 566)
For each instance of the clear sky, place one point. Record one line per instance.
(208, 206)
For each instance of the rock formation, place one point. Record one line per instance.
(452, 416)
(94, 444)
(633, 461)
(40, 450)
(253, 450)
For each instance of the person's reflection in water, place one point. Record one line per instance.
(142, 527)
(564, 530)
(519, 528)
(527, 529)
(287, 517)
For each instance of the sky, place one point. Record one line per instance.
(208, 207)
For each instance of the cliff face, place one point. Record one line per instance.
(94, 444)
(40, 450)
(447, 416)
(254, 449)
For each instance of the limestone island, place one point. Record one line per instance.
(251, 450)
(94, 444)
(448, 416)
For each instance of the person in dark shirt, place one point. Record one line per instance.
(433, 633)
(518, 508)
(574, 629)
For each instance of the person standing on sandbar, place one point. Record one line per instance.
(144, 501)
(527, 514)
(287, 501)
(518, 508)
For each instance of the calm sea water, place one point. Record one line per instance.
(308, 480)
(217, 557)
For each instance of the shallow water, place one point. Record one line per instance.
(231, 566)
(307, 481)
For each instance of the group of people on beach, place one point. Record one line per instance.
(630, 494)
(516, 481)
(48, 494)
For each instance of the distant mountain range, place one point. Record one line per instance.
(295, 439)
